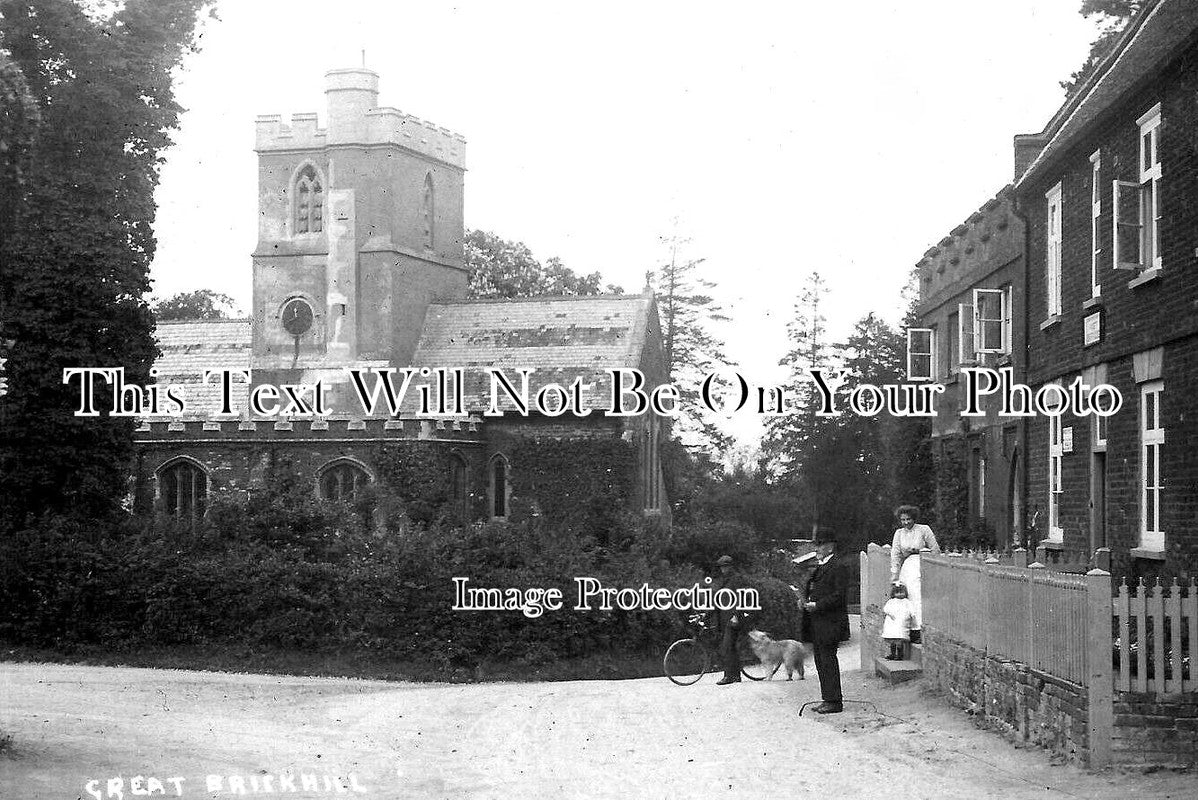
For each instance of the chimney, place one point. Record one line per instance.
(1027, 147)
(351, 93)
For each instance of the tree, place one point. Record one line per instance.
(1113, 16)
(501, 268)
(789, 438)
(19, 119)
(687, 309)
(852, 469)
(76, 268)
(200, 304)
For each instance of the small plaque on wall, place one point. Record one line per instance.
(1093, 329)
(1067, 440)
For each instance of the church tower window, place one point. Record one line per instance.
(309, 202)
(427, 209)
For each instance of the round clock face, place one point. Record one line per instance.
(297, 317)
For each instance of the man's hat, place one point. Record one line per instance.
(724, 561)
(824, 535)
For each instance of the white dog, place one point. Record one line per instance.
(776, 653)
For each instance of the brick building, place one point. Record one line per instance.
(971, 290)
(1111, 204)
(359, 265)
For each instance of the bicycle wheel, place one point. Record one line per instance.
(686, 661)
(750, 666)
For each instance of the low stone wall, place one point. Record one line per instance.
(1027, 705)
(1155, 729)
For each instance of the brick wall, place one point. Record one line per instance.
(1025, 704)
(1136, 316)
(1179, 468)
(1159, 730)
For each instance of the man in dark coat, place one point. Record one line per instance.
(732, 624)
(826, 620)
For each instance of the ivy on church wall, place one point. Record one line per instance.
(585, 485)
(417, 474)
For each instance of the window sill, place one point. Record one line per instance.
(1052, 544)
(1145, 277)
(1145, 553)
(1004, 360)
(1055, 319)
(1093, 302)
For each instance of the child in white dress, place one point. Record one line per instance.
(896, 627)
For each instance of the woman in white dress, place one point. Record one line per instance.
(909, 539)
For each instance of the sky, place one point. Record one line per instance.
(778, 139)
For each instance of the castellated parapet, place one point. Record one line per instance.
(354, 118)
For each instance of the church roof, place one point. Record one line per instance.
(189, 347)
(562, 338)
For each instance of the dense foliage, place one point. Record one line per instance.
(500, 268)
(19, 119)
(282, 570)
(1112, 16)
(76, 267)
(200, 304)
(850, 470)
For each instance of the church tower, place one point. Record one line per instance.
(359, 229)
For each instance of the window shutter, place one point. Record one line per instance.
(920, 361)
(1006, 320)
(966, 348)
(1127, 227)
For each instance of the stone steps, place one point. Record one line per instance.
(897, 671)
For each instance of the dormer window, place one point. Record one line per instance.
(427, 212)
(309, 202)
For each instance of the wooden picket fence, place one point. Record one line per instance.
(1156, 637)
(1059, 619)
(1027, 614)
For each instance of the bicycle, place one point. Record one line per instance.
(688, 660)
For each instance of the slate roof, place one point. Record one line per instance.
(1154, 38)
(190, 347)
(562, 338)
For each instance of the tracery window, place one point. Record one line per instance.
(309, 202)
(183, 489)
(341, 480)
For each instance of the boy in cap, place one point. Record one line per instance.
(730, 624)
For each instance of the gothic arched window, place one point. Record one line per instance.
(341, 480)
(498, 488)
(427, 207)
(309, 201)
(183, 489)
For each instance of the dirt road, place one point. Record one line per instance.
(89, 732)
